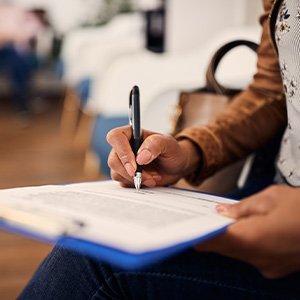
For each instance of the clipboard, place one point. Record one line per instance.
(62, 236)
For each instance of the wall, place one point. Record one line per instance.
(192, 22)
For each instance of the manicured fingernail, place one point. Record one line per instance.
(130, 169)
(144, 157)
(222, 209)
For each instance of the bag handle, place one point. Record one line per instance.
(211, 81)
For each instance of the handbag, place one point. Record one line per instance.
(201, 106)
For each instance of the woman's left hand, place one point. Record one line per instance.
(266, 233)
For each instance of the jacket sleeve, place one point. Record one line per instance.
(250, 120)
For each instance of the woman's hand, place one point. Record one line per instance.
(267, 231)
(164, 159)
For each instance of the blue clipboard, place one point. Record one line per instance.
(117, 257)
(113, 256)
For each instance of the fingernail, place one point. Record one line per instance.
(223, 209)
(144, 157)
(130, 169)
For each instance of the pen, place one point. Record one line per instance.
(135, 122)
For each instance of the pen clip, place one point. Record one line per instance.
(130, 109)
(134, 112)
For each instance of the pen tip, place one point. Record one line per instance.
(137, 181)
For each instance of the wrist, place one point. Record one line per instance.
(193, 156)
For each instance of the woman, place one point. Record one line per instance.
(264, 243)
(17, 29)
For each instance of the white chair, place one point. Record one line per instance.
(84, 49)
(89, 51)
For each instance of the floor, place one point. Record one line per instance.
(33, 152)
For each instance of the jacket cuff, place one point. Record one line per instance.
(209, 147)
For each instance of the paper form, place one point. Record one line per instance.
(107, 214)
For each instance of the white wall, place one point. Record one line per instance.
(191, 23)
(253, 11)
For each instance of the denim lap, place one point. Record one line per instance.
(190, 275)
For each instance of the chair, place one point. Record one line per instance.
(89, 51)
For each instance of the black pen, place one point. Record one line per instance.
(135, 122)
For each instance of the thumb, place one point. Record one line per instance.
(258, 204)
(154, 146)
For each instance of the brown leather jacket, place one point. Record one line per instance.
(253, 117)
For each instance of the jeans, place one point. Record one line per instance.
(20, 67)
(191, 275)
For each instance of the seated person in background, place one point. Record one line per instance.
(17, 29)
(263, 244)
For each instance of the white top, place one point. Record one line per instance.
(288, 43)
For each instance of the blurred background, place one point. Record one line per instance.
(66, 69)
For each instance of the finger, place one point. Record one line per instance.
(225, 243)
(150, 179)
(119, 139)
(123, 181)
(154, 146)
(214, 244)
(258, 204)
(116, 165)
(241, 240)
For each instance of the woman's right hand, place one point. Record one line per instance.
(164, 159)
